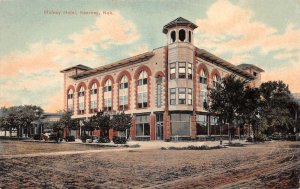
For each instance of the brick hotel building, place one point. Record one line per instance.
(163, 89)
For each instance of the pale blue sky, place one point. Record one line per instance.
(26, 33)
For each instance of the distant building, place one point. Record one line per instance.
(164, 89)
(45, 122)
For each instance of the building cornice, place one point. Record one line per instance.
(116, 65)
(207, 56)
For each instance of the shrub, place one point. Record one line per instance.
(37, 137)
(84, 137)
(119, 140)
(236, 145)
(70, 138)
(249, 139)
(261, 138)
(204, 147)
(103, 139)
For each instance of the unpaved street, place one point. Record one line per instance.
(271, 165)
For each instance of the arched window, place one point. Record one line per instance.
(123, 93)
(182, 35)
(143, 90)
(190, 36)
(217, 82)
(203, 77)
(81, 100)
(70, 100)
(173, 36)
(93, 98)
(107, 95)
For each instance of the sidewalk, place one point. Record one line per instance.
(159, 144)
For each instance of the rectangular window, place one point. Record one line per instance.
(180, 124)
(107, 104)
(173, 71)
(70, 96)
(145, 81)
(81, 93)
(201, 125)
(158, 89)
(142, 125)
(70, 107)
(190, 74)
(173, 96)
(123, 85)
(203, 98)
(189, 96)
(93, 91)
(107, 88)
(143, 100)
(181, 70)
(203, 80)
(81, 106)
(181, 96)
(93, 104)
(123, 100)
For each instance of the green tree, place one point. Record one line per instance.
(20, 118)
(121, 122)
(249, 109)
(67, 122)
(225, 101)
(4, 125)
(275, 112)
(102, 121)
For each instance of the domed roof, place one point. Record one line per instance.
(179, 22)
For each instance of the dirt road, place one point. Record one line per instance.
(274, 165)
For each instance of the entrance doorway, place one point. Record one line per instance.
(159, 127)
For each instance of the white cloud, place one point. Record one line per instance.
(229, 28)
(138, 50)
(289, 74)
(17, 68)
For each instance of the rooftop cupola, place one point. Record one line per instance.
(179, 30)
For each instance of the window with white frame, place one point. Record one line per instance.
(181, 95)
(143, 90)
(217, 82)
(173, 96)
(123, 93)
(190, 73)
(93, 98)
(81, 100)
(203, 77)
(142, 126)
(189, 100)
(181, 70)
(107, 95)
(70, 100)
(203, 97)
(201, 125)
(180, 124)
(173, 71)
(158, 92)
